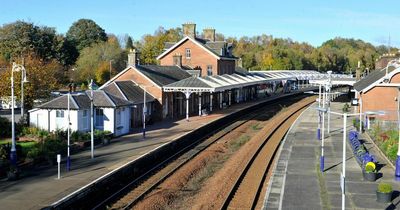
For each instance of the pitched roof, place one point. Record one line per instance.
(212, 47)
(163, 75)
(369, 79)
(82, 101)
(191, 82)
(132, 92)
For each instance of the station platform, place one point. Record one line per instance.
(297, 182)
(40, 188)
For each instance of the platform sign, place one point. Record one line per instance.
(354, 101)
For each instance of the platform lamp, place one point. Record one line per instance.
(13, 153)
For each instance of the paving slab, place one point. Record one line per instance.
(298, 182)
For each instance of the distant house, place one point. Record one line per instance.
(111, 113)
(378, 91)
(208, 56)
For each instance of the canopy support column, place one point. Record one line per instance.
(211, 102)
(199, 104)
(230, 100)
(237, 95)
(220, 100)
(187, 95)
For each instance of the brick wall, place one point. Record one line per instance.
(137, 77)
(200, 58)
(382, 99)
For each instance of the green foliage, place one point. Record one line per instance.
(85, 32)
(23, 38)
(5, 127)
(385, 187)
(346, 107)
(94, 61)
(129, 44)
(153, 45)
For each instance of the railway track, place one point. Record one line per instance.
(246, 191)
(139, 188)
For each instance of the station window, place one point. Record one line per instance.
(188, 53)
(60, 114)
(209, 70)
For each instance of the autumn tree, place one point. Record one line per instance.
(94, 58)
(42, 76)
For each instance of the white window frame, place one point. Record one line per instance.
(209, 70)
(188, 53)
(60, 114)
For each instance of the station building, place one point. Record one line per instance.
(195, 77)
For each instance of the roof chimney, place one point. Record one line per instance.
(209, 34)
(133, 57)
(189, 29)
(177, 59)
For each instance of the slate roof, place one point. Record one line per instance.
(133, 93)
(82, 101)
(163, 75)
(61, 102)
(193, 82)
(369, 79)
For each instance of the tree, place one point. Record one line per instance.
(85, 32)
(129, 44)
(97, 57)
(153, 45)
(42, 76)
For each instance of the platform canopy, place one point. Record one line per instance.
(218, 83)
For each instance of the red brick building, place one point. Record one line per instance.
(208, 56)
(379, 91)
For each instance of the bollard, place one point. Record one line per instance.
(58, 163)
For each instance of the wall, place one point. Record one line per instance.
(382, 99)
(137, 77)
(226, 67)
(84, 123)
(109, 119)
(44, 116)
(199, 57)
(123, 127)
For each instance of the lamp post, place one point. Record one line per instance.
(92, 87)
(23, 80)
(144, 112)
(68, 133)
(13, 152)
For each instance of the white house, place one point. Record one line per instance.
(111, 113)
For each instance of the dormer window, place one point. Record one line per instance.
(187, 53)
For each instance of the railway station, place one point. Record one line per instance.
(198, 131)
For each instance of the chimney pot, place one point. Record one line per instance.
(209, 34)
(189, 29)
(177, 59)
(133, 57)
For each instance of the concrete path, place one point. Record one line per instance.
(40, 188)
(297, 182)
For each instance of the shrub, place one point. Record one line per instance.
(5, 127)
(346, 107)
(385, 187)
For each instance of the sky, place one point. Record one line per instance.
(312, 21)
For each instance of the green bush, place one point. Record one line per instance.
(385, 187)
(5, 127)
(346, 107)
